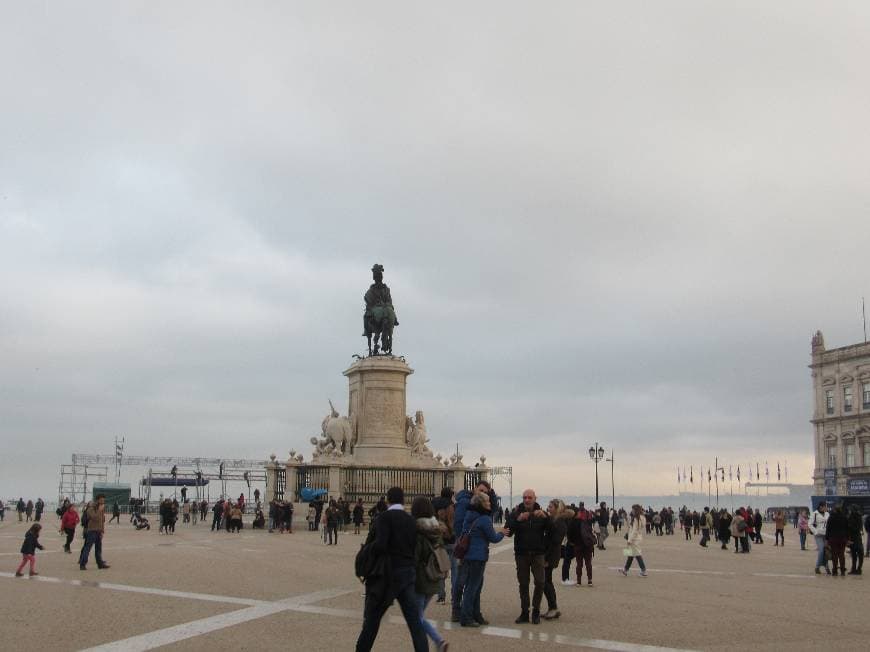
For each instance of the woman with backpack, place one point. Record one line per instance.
(427, 551)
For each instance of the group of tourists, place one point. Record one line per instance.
(451, 535)
(833, 532)
(27, 511)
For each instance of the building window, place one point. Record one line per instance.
(831, 454)
(829, 401)
(849, 454)
(867, 453)
(847, 399)
(866, 397)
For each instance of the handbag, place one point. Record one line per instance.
(460, 548)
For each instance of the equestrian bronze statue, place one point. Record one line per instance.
(380, 316)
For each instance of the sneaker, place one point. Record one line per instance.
(480, 620)
(569, 582)
(33, 573)
(103, 566)
(81, 567)
(643, 573)
(552, 614)
(589, 584)
(623, 572)
(19, 574)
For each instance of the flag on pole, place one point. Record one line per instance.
(766, 471)
(738, 473)
(692, 475)
(709, 479)
(778, 475)
(678, 475)
(757, 472)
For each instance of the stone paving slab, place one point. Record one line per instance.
(255, 590)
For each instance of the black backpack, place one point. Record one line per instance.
(85, 518)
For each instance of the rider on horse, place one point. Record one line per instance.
(379, 317)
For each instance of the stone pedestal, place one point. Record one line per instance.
(376, 403)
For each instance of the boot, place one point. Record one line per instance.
(522, 618)
(536, 617)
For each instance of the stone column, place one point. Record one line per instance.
(335, 489)
(271, 477)
(458, 476)
(292, 474)
(376, 404)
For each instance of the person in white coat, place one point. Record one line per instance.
(818, 528)
(634, 536)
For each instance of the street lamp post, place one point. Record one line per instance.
(612, 459)
(596, 454)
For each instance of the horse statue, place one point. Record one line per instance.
(339, 434)
(380, 316)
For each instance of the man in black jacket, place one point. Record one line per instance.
(529, 526)
(395, 535)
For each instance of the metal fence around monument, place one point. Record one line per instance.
(371, 484)
(311, 477)
(472, 479)
(280, 483)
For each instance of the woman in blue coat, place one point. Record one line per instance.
(478, 525)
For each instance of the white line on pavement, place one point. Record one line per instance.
(194, 628)
(207, 597)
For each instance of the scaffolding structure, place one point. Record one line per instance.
(76, 479)
(508, 472)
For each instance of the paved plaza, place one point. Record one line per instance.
(199, 590)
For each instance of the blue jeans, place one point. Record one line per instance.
(473, 587)
(820, 546)
(402, 590)
(803, 536)
(429, 628)
(92, 539)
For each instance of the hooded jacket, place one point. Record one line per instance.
(558, 531)
(463, 499)
(428, 537)
(481, 533)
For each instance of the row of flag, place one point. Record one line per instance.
(712, 474)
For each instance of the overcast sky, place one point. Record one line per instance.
(613, 223)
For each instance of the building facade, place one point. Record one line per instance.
(841, 418)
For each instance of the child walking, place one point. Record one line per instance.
(28, 550)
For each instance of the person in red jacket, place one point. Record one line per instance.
(68, 523)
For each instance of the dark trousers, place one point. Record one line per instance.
(549, 589)
(92, 539)
(705, 536)
(332, 531)
(470, 610)
(402, 590)
(779, 537)
(530, 566)
(457, 587)
(857, 551)
(567, 558)
(838, 554)
(70, 533)
(584, 556)
(216, 522)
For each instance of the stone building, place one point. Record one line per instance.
(841, 418)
